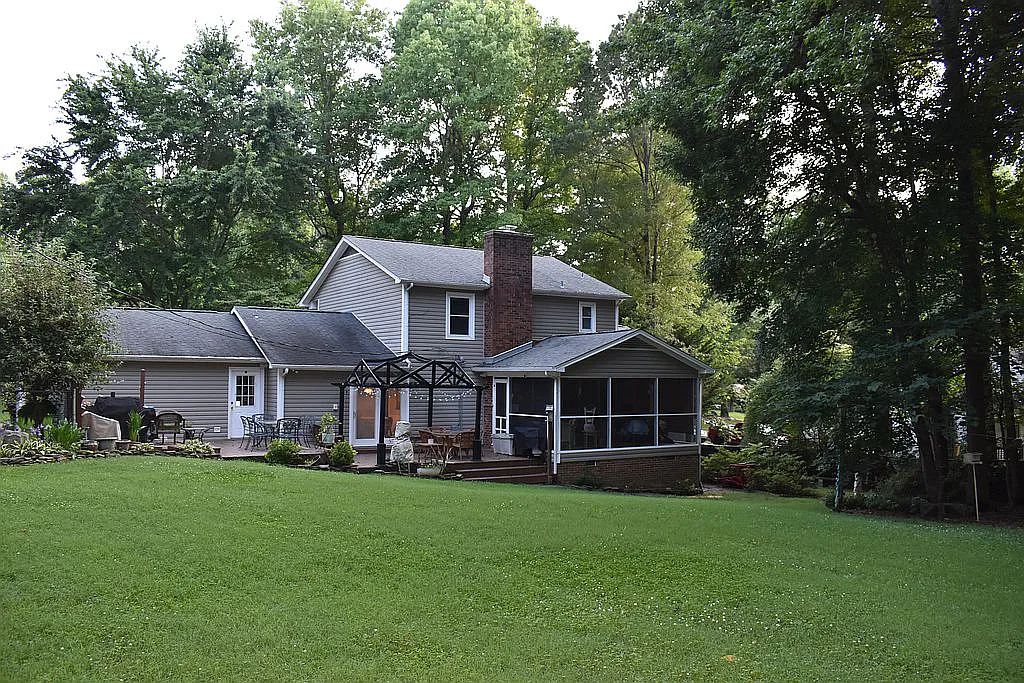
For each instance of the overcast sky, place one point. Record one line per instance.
(41, 41)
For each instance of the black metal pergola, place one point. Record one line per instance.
(409, 371)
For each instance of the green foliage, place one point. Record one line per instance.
(134, 425)
(282, 452)
(65, 434)
(716, 465)
(33, 448)
(53, 326)
(183, 184)
(342, 454)
(194, 448)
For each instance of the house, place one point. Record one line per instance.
(540, 336)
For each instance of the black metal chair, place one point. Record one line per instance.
(170, 423)
(247, 431)
(289, 428)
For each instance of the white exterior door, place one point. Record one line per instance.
(364, 414)
(245, 397)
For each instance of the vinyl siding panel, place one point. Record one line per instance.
(633, 358)
(270, 394)
(199, 391)
(357, 286)
(309, 392)
(427, 337)
(561, 315)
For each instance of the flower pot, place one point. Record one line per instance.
(428, 471)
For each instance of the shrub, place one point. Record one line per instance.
(589, 480)
(341, 454)
(282, 452)
(781, 474)
(716, 465)
(194, 448)
(688, 487)
(134, 425)
(65, 434)
(32, 448)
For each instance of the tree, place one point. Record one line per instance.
(319, 48)
(817, 139)
(184, 185)
(53, 326)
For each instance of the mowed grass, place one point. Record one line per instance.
(144, 568)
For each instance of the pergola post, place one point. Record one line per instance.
(430, 395)
(381, 446)
(341, 411)
(477, 444)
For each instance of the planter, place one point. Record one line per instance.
(122, 445)
(327, 438)
(105, 444)
(502, 444)
(428, 471)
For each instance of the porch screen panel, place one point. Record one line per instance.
(528, 401)
(584, 414)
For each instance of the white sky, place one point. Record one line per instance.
(41, 41)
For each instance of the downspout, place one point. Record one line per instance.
(700, 420)
(280, 392)
(556, 447)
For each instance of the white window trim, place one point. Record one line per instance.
(500, 385)
(593, 316)
(448, 315)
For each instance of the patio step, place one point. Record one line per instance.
(509, 472)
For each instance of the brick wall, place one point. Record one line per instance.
(653, 473)
(508, 261)
(486, 412)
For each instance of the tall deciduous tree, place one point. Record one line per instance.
(184, 185)
(329, 53)
(819, 141)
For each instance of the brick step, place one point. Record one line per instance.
(541, 478)
(484, 472)
(464, 465)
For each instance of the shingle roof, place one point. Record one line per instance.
(430, 264)
(177, 333)
(296, 337)
(554, 353)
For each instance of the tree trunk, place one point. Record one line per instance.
(967, 150)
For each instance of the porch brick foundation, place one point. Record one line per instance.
(654, 473)
(486, 412)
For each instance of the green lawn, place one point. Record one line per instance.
(144, 568)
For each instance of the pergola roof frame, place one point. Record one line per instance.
(410, 371)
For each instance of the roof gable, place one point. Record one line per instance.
(461, 267)
(555, 354)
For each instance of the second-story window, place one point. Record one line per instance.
(461, 315)
(588, 316)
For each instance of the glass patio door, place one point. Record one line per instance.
(364, 415)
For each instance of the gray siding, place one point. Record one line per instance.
(633, 358)
(309, 392)
(456, 408)
(270, 394)
(199, 391)
(427, 337)
(561, 315)
(357, 286)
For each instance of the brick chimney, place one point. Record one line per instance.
(508, 261)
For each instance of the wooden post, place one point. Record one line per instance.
(78, 406)
(382, 425)
(142, 387)
(477, 444)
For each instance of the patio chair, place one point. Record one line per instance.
(289, 428)
(247, 431)
(170, 423)
(462, 444)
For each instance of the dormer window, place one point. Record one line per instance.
(588, 316)
(460, 315)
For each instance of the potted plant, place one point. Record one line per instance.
(134, 425)
(328, 424)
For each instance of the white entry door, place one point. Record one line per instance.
(364, 415)
(245, 397)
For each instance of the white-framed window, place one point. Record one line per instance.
(500, 406)
(460, 315)
(588, 316)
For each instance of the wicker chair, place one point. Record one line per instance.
(170, 423)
